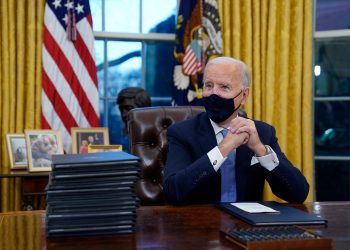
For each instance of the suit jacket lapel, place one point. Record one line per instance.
(206, 137)
(207, 141)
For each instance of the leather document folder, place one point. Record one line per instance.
(285, 216)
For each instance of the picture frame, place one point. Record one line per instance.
(41, 145)
(104, 148)
(17, 151)
(83, 137)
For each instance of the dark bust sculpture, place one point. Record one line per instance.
(129, 98)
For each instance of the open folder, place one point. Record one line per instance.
(283, 215)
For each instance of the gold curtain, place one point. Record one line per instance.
(20, 76)
(275, 39)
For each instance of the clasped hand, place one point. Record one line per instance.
(242, 131)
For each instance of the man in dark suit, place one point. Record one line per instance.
(198, 169)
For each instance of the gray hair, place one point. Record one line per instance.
(245, 72)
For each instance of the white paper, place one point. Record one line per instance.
(253, 207)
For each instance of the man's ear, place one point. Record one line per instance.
(245, 96)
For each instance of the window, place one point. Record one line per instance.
(134, 48)
(332, 100)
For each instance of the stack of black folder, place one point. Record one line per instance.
(92, 194)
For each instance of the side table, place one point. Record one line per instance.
(33, 185)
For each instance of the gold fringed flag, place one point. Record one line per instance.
(198, 38)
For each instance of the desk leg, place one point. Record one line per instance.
(33, 192)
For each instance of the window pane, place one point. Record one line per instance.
(159, 66)
(116, 125)
(332, 74)
(332, 136)
(99, 52)
(102, 113)
(122, 16)
(161, 101)
(158, 16)
(332, 14)
(99, 60)
(332, 180)
(96, 12)
(124, 66)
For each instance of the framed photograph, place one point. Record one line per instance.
(41, 145)
(104, 148)
(16, 147)
(82, 138)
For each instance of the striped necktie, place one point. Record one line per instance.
(228, 176)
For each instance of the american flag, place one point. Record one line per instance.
(69, 82)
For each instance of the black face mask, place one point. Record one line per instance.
(219, 109)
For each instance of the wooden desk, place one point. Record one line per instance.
(33, 185)
(192, 227)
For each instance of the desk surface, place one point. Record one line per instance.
(164, 227)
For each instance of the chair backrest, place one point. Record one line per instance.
(147, 140)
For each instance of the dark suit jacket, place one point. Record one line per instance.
(190, 178)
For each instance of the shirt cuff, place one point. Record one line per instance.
(216, 158)
(269, 161)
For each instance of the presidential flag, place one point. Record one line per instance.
(69, 81)
(198, 38)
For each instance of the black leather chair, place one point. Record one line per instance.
(147, 140)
